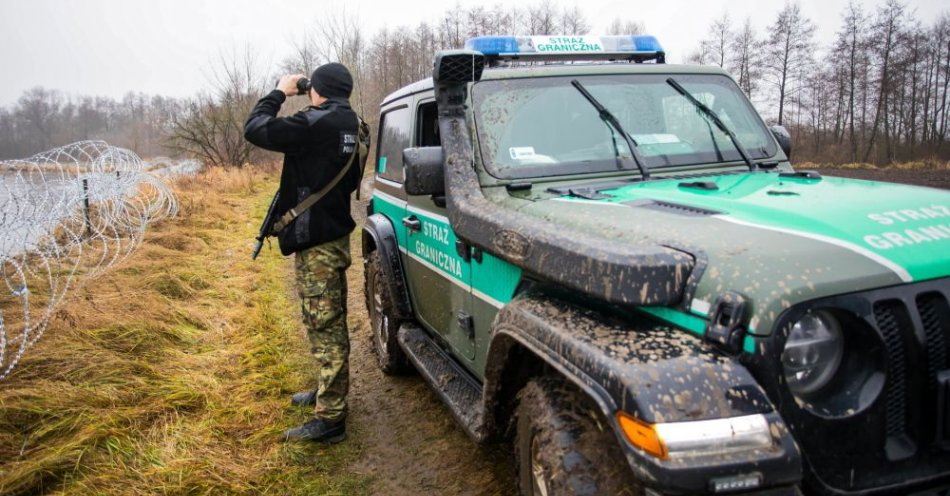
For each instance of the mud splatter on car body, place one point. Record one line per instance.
(713, 290)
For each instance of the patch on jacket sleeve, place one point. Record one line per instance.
(347, 143)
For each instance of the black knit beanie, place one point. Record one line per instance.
(332, 79)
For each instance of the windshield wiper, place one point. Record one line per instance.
(612, 122)
(716, 120)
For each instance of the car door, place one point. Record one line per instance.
(439, 276)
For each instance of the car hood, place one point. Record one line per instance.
(776, 239)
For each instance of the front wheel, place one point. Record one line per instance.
(379, 304)
(563, 447)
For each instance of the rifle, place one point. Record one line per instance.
(267, 227)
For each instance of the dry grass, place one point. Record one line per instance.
(170, 373)
(930, 165)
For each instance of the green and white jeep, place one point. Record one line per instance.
(613, 263)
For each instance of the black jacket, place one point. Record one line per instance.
(316, 142)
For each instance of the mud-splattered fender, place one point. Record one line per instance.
(379, 234)
(654, 372)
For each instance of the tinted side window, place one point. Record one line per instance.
(394, 134)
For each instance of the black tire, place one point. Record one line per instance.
(563, 447)
(383, 325)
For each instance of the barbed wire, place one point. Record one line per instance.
(66, 215)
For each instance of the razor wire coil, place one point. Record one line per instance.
(66, 215)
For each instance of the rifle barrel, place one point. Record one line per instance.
(266, 226)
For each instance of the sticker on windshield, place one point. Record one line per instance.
(522, 152)
(655, 139)
(527, 155)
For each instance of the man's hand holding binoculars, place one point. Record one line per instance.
(294, 84)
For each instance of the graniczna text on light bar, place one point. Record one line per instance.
(566, 44)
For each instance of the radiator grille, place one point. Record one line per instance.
(931, 306)
(887, 321)
(904, 435)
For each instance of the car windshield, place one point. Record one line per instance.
(544, 126)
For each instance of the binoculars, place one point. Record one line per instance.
(303, 86)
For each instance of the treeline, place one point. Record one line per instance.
(877, 93)
(42, 119)
(210, 126)
(394, 57)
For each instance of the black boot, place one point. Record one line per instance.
(320, 431)
(304, 398)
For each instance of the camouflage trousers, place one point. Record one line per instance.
(321, 283)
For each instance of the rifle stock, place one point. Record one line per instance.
(267, 227)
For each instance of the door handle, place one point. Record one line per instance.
(412, 222)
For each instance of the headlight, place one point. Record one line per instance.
(698, 438)
(812, 353)
(833, 362)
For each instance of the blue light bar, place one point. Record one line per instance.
(632, 47)
(493, 45)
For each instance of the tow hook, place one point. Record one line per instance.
(727, 322)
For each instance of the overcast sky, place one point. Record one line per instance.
(109, 47)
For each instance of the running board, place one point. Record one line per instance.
(454, 385)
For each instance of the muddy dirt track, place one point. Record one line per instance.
(409, 442)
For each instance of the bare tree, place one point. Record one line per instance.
(541, 18)
(37, 109)
(940, 46)
(573, 21)
(789, 50)
(212, 125)
(720, 39)
(887, 28)
(305, 56)
(476, 21)
(503, 20)
(745, 59)
(452, 27)
(702, 55)
(852, 43)
(624, 26)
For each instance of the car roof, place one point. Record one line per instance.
(562, 69)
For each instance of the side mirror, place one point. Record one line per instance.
(425, 173)
(784, 139)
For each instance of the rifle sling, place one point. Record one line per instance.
(311, 200)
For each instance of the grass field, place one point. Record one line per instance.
(919, 165)
(170, 373)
